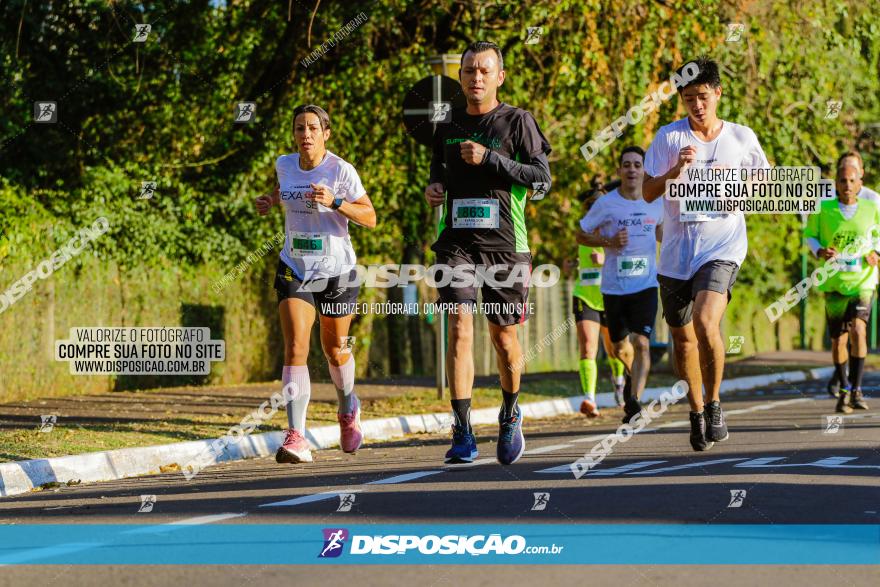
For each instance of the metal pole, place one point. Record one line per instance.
(448, 65)
(803, 302)
(874, 325)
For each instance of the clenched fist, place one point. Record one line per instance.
(434, 193)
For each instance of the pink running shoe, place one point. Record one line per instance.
(589, 409)
(350, 435)
(295, 448)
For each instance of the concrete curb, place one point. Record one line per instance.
(22, 476)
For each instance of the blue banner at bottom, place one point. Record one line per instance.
(530, 544)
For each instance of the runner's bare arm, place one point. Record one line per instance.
(592, 239)
(654, 187)
(265, 202)
(360, 211)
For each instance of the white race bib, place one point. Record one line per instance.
(475, 213)
(632, 266)
(306, 244)
(853, 265)
(591, 276)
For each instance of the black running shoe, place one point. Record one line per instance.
(631, 407)
(833, 387)
(842, 402)
(698, 433)
(716, 427)
(857, 401)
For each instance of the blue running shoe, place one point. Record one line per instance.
(464, 446)
(511, 443)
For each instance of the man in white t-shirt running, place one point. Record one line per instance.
(628, 228)
(700, 254)
(851, 159)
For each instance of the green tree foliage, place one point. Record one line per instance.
(163, 110)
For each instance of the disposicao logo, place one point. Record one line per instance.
(334, 540)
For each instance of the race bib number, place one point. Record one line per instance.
(853, 265)
(475, 213)
(306, 244)
(592, 276)
(632, 266)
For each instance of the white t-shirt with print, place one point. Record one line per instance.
(317, 240)
(688, 245)
(633, 268)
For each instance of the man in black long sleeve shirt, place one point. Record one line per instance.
(484, 162)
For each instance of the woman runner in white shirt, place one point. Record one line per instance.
(320, 193)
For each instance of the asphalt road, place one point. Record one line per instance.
(781, 465)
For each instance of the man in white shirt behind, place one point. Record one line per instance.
(700, 254)
(628, 228)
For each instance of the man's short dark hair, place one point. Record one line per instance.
(631, 149)
(708, 73)
(598, 187)
(479, 47)
(317, 111)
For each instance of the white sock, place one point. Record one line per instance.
(297, 406)
(343, 379)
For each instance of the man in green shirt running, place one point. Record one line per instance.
(844, 231)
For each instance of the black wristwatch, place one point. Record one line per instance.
(337, 202)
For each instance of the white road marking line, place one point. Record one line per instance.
(685, 466)
(623, 468)
(179, 524)
(592, 438)
(310, 498)
(557, 469)
(826, 463)
(199, 520)
(476, 463)
(403, 478)
(549, 448)
(857, 416)
(675, 424)
(615, 471)
(769, 406)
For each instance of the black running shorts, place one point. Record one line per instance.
(582, 311)
(678, 295)
(841, 310)
(503, 305)
(328, 297)
(633, 312)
